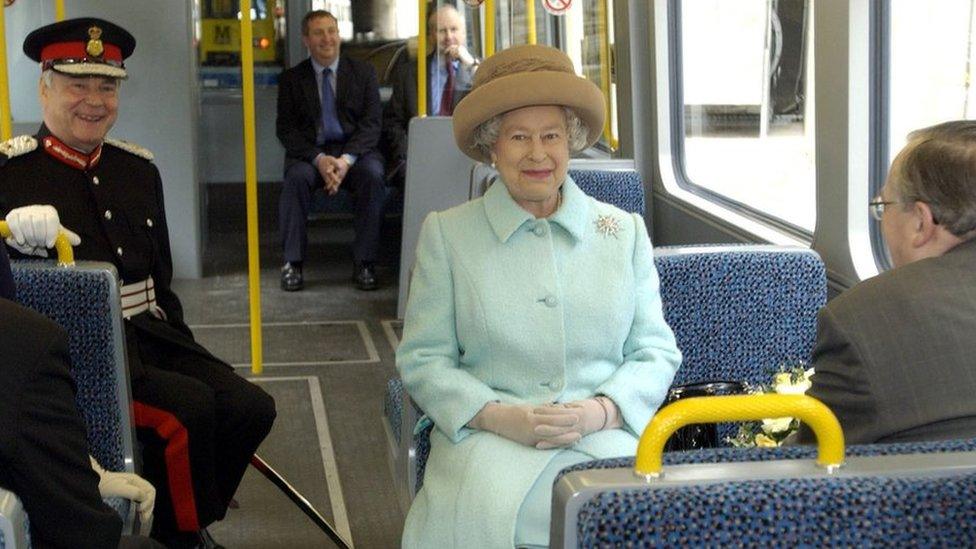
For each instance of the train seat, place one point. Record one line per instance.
(84, 300)
(885, 495)
(738, 313)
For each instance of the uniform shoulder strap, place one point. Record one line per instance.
(131, 148)
(16, 146)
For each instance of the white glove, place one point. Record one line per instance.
(129, 486)
(543, 427)
(35, 228)
(595, 414)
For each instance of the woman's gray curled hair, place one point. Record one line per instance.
(486, 133)
(938, 167)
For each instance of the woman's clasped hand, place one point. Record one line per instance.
(548, 426)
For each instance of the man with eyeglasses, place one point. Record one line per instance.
(894, 354)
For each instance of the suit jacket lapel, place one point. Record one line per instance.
(310, 90)
(344, 77)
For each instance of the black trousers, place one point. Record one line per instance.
(198, 423)
(364, 180)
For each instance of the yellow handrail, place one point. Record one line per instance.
(59, 10)
(812, 412)
(605, 74)
(489, 27)
(66, 256)
(422, 60)
(530, 20)
(251, 184)
(6, 121)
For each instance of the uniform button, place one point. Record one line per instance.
(95, 180)
(551, 301)
(108, 214)
(540, 230)
(149, 222)
(119, 251)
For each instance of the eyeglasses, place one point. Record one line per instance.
(878, 205)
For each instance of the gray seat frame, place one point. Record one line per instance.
(575, 489)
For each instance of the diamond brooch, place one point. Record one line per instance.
(607, 225)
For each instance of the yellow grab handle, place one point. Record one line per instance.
(66, 256)
(830, 438)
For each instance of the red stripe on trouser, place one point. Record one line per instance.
(177, 462)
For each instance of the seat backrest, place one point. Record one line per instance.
(884, 494)
(740, 312)
(622, 188)
(84, 301)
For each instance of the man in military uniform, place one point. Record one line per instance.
(198, 422)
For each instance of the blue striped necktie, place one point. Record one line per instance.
(331, 130)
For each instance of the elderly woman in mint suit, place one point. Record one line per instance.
(533, 337)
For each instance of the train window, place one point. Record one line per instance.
(342, 10)
(744, 102)
(931, 56)
(927, 49)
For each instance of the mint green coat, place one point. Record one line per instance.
(506, 307)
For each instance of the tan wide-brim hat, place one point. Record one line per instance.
(525, 76)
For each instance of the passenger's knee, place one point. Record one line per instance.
(300, 175)
(252, 407)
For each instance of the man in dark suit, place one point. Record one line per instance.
(894, 356)
(329, 117)
(43, 445)
(198, 422)
(450, 69)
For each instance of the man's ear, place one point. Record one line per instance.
(924, 226)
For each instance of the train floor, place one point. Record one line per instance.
(328, 352)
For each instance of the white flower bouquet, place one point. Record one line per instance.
(772, 432)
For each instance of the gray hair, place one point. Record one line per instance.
(938, 167)
(486, 134)
(47, 78)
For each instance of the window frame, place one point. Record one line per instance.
(880, 127)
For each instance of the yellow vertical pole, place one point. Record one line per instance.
(59, 10)
(251, 183)
(6, 122)
(530, 19)
(489, 27)
(422, 59)
(605, 73)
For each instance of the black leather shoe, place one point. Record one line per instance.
(291, 278)
(364, 276)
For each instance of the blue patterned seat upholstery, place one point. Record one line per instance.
(84, 300)
(393, 407)
(928, 503)
(739, 312)
(621, 188)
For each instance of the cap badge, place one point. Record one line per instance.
(94, 46)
